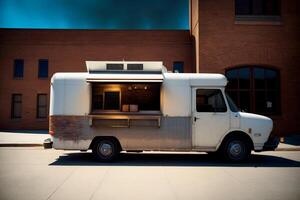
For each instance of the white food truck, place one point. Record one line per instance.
(139, 106)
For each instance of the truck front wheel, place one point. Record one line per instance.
(236, 149)
(105, 150)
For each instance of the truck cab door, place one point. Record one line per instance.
(211, 117)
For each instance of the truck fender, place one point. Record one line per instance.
(232, 133)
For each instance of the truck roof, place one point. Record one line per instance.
(197, 79)
(139, 71)
(193, 79)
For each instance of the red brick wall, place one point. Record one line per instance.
(224, 44)
(67, 51)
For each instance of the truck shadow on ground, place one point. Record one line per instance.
(176, 160)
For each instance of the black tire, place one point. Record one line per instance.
(105, 150)
(236, 149)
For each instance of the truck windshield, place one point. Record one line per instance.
(231, 103)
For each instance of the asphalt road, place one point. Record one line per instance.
(35, 173)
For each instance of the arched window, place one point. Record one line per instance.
(254, 89)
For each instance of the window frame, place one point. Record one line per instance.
(223, 99)
(40, 69)
(39, 106)
(252, 90)
(252, 18)
(13, 116)
(146, 95)
(15, 66)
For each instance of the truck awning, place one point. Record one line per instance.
(158, 78)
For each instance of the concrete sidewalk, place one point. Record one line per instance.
(36, 138)
(291, 143)
(287, 147)
(23, 138)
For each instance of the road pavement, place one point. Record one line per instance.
(37, 173)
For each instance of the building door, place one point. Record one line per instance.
(211, 118)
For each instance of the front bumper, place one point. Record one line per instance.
(271, 144)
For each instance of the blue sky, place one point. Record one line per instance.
(95, 14)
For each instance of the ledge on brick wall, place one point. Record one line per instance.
(258, 20)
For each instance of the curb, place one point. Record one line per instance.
(20, 145)
(288, 149)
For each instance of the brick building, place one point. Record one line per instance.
(28, 58)
(255, 43)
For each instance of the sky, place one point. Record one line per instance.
(95, 14)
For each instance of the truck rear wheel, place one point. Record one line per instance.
(236, 149)
(105, 150)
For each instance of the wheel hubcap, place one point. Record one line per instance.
(235, 149)
(105, 149)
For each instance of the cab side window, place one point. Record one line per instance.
(210, 100)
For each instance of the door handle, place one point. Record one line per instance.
(195, 118)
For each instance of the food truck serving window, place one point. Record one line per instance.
(125, 97)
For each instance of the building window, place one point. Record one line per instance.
(43, 68)
(255, 89)
(41, 106)
(210, 100)
(16, 106)
(18, 68)
(178, 67)
(260, 10)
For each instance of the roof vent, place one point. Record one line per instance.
(125, 67)
(114, 66)
(135, 66)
